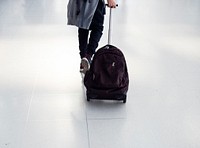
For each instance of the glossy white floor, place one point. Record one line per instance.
(42, 98)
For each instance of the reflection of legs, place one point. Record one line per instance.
(83, 41)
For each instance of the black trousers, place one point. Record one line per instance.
(88, 46)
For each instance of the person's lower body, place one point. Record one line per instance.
(87, 49)
(87, 46)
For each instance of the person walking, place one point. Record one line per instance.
(88, 16)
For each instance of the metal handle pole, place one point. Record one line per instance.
(109, 28)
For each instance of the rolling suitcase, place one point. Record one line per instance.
(108, 77)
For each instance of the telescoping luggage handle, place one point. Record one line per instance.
(110, 23)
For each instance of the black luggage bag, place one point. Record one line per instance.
(108, 77)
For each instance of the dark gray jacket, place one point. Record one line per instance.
(81, 12)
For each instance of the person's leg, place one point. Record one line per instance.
(95, 37)
(96, 28)
(88, 49)
(83, 41)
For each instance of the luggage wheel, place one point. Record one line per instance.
(124, 101)
(88, 99)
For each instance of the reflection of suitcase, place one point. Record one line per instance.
(108, 77)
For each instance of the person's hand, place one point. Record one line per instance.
(111, 3)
